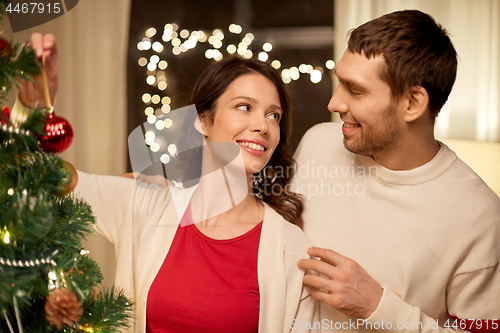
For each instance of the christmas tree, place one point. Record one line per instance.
(48, 283)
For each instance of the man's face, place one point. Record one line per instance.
(363, 101)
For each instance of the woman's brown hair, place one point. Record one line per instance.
(212, 83)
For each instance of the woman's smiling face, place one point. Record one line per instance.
(248, 113)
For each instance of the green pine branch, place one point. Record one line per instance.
(18, 63)
(3, 4)
(41, 239)
(111, 312)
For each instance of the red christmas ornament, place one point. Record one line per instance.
(59, 134)
(6, 112)
(5, 46)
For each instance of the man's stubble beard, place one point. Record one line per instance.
(378, 138)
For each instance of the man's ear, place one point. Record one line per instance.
(418, 104)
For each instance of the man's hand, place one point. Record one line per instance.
(347, 287)
(31, 93)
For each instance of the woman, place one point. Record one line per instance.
(231, 272)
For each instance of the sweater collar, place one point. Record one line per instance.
(443, 160)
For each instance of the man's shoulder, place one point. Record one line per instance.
(474, 205)
(320, 140)
(324, 131)
(471, 183)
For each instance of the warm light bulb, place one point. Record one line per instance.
(315, 76)
(276, 64)
(330, 64)
(165, 158)
(146, 98)
(150, 80)
(6, 237)
(162, 64)
(155, 146)
(285, 73)
(155, 99)
(267, 47)
(217, 44)
(263, 56)
(160, 125)
(165, 108)
(172, 149)
(162, 85)
(152, 119)
(157, 47)
(150, 32)
(168, 123)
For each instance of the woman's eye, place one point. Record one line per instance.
(244, 107)
(275, 116)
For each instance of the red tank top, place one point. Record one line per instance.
(206, 285)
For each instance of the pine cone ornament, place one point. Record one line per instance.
(62, 307)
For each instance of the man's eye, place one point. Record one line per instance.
(353, 92)
(244, 107)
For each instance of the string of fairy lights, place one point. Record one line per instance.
(182, 41)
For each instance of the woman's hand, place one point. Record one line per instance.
(31, 93)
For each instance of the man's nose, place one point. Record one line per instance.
(337, 102)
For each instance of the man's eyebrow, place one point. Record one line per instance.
(349, 82)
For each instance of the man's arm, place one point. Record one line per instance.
(348, 288)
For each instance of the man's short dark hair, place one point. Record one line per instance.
(417, 52)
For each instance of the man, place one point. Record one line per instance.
(414, 232)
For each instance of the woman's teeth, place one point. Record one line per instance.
(252, 145)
